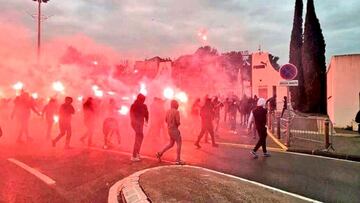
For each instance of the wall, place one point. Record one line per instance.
(344, 87)
(263, 79)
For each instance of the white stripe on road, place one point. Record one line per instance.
(46, 179)
(258, 184)
(117, 187)
(206, 169)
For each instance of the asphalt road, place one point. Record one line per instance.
(85, 174)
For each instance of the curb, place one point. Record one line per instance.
(327, 154)
(131, 192)
(129, 189)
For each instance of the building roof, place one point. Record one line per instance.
(346, 55)
(341, 56)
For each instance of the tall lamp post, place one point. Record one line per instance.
(39, 27)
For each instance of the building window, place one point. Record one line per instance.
(259, 66)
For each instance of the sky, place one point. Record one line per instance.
(169, 28)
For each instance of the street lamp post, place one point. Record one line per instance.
(39, 27)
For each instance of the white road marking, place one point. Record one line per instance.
(46, 179)
(117, 187)
(319, 156)
(258, 184)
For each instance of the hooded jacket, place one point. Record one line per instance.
(139, 111)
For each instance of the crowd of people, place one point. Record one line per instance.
(166, 122)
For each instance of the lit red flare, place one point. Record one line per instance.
(18, 86)
(124, 110)
(56, 118)
(168, 93)
(58, 86)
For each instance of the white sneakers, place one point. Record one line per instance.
(136, 159)
(255, 156)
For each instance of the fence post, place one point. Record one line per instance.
(269, 119)
(278, 127)
(288, 132)
(327, 134)
(273, 119)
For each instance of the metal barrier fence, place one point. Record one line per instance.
(305, 131)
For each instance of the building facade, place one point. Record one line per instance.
(343, 89)
(266, 79)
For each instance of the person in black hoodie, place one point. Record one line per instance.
(258, 115)
(207, 116)
(138, 115)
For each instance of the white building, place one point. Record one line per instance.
(266, 79)
(343, 89)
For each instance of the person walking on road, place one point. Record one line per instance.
(138, 115)
(217, 105)
(207, 116)
(258, 115)
(89, 120)
(110, 128)
(24, 104)
(285, 106)
(173, 122)
(65, 113)
(49, 112)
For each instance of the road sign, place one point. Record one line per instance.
(289, 83)
(288, 71)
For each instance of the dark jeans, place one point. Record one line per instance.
(283, 111)
(139, 136)
(206, 127)
(64, 129)
(359, 128)
(262, 140)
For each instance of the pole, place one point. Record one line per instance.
(278, 127)
(327, 135)
(287, 132)
(38, 31)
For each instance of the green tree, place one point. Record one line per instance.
(313, 61)
(233, 62)
(296, 43)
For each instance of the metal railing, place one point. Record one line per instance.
(302, 131)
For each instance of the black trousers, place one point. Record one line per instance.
(206, 127)
(262, 140)
(65, 128)
(139, 136)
